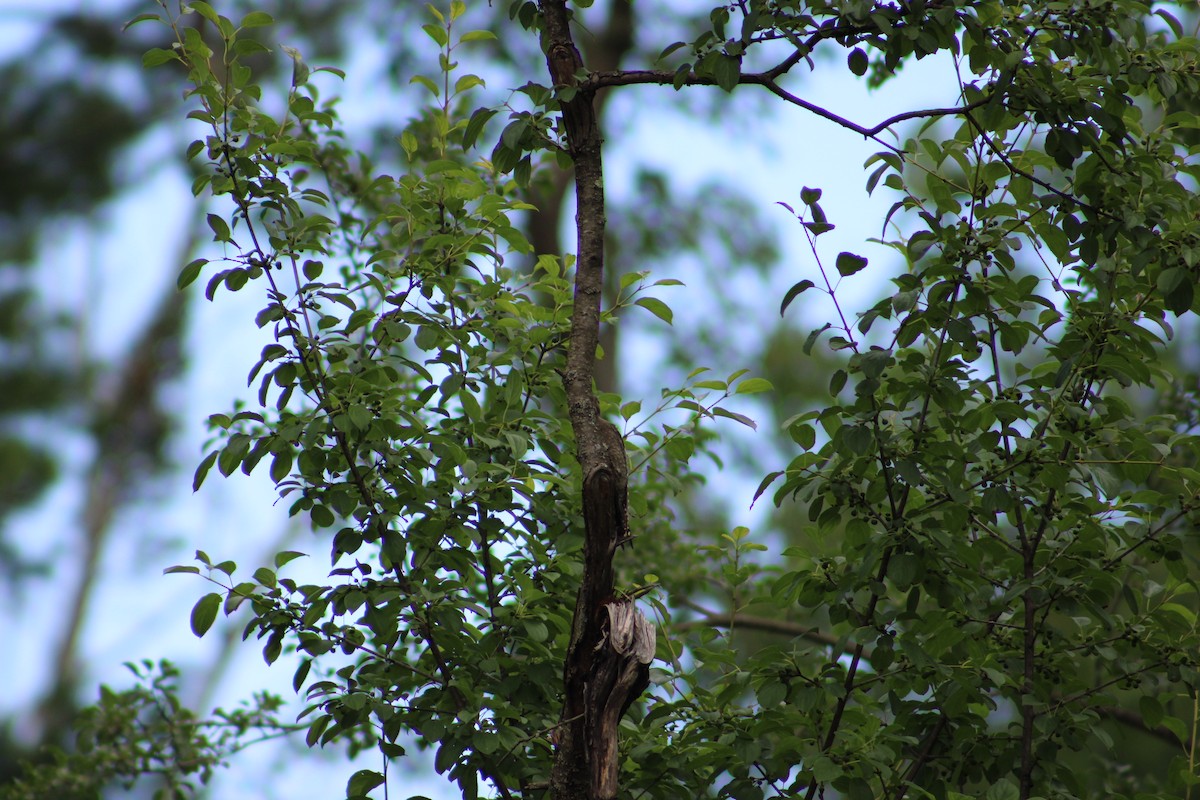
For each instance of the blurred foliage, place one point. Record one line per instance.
(143, 737)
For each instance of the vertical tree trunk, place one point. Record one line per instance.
(607, 664)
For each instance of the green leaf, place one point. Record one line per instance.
(1005, 789)
(158, 56)
(812, 337)
(671, 48)
(433, 88)
(771, 694)
(467, 82)
(273, 647)
(409, 143)
(793, 293)
(549, 264)
(857, 61)
(437, 33)
(281, 465)
(919, 244)
(874, 361)
(478, 36)
(236, 278)
(902, 570)
(726, 71)
(754, 386)
(858, 438)
(733, 415)
(237, 596)
(848, 263)
(140, 18)
(257, 19)
(232, 454)
(682, 73)
(189, 273)
(300, 70)
(475, 125)
(202, 470)
(204, 613)
(765, 484)
(285, 556)
(313, 269)
(840, 343)
(656, 307)
(219, 227)
(536, 630)
(201, 8)
(428, 337)
(1176, 287)
(248, 47)
(825, 769)
(630, 278)
(301, 674)
(803, 434)
(1151, 710)
(361, 416)
(181, 569)
(1176, 29)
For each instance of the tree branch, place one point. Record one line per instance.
(763, 625)
(600, 80)
(1004, 159)
(1130, 719)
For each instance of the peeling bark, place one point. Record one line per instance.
(620, 673)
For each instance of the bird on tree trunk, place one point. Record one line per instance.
(614, 448)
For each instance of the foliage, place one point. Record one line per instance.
(145, 735)
(995, 587)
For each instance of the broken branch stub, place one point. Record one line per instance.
(620, 673)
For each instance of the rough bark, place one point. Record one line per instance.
(604, 53)
(607, 663)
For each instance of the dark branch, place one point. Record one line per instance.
(763, 625)
(1133, 720)
(1004, 159)
(600, 80)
